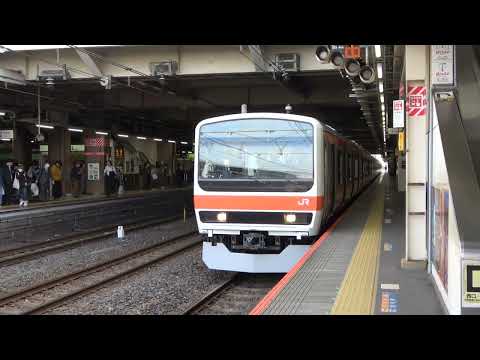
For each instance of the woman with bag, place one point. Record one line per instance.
(56, 173)
(21, 181)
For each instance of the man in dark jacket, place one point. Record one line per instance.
(7, 176)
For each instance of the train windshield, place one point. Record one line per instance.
(256, 155)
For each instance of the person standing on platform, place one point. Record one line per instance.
(33, 172)
(76, 178)
(110, 174)
(56, 173)
(23, 185)
(83, 180)
(44, 181)
(8, 181)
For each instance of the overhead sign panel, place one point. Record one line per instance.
(398, 114)
(442, 64)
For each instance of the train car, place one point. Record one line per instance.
(266, 184)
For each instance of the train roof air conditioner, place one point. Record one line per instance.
(164, 68)
(289, 62)
(57, 74)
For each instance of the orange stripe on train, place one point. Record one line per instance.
(287, 203)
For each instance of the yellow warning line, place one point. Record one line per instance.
(358, 291)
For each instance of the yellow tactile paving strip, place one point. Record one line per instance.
(358, 290)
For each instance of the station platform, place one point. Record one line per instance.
(355, 267)
(69, 199)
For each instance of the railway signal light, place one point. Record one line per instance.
(367, 75)
(323, 54)
(337, 58)
(352, 67)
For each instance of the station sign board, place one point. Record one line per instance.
(471, 284)
(77, 148)
(442, 64)
(393, 131)
(6, 134)
(398, 114)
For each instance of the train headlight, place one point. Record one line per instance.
(222, 216)
(290, 218)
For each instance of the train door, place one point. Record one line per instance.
(341, 176)
(329, 181)
(332, 172)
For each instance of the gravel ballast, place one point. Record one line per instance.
(23, 275)
(166, 288)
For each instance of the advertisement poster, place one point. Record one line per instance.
(93, 171)
(440, 234)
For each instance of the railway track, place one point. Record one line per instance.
(51, 294)
(24, 253)
(236, 296)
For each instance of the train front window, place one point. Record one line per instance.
(256, 155)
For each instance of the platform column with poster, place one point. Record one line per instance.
(95, 159)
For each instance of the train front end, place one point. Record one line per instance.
(257, 193)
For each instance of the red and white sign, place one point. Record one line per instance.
(417, 101)
(95, 142)
(398, 114)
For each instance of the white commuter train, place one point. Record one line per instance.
(266, 184)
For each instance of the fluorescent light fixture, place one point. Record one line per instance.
(124, 136)
(380, 86)
(378, 51)
(383, 107)
(382, 98)
(141, 138)
(184, 142)
(101, 133)
(75, 130)
(379, 70)
(44, 126)
(5, 139)
(172, 141)
(157, 139)
(2, 113)
(170, 92)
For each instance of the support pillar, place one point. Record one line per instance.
(95, 186)
(59, 149)
(416, 127)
